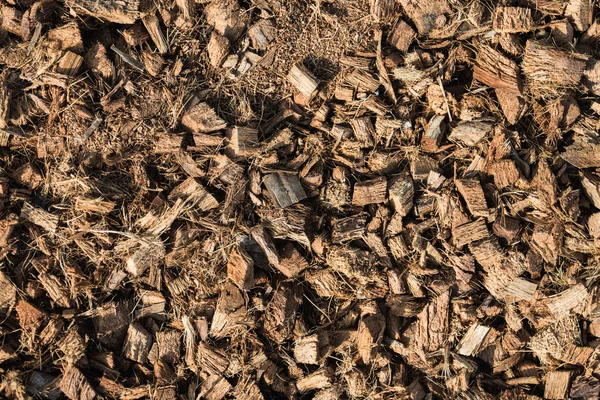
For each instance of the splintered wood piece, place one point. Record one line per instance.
(473, 339)
(401, 194)
(303, 80)
(434, 134)
(39, 217)
(547, 241)
(28, 175)
(119, 11)
(593, 225)
(591, 188)
(150, 21)
(469, 232)
(111, 322)
(66, 37)
(137, 343)
(429, 332)
(11, 20)
(370, 332)
(349, 228)
(580, 13)
(202, 118)
(7, 227)
(69, 64)
(425, 13)
(218, 49)
(291, 262)
(195, 194)
(381, 9)
(210, 359)
(507, 228)
(363, 81)
(560, 305)
(582, 153)
(75, 385)
(494, 69)
(96, 59)
(55, 289)
(402, 36)
(512, 20)
(470, 133)
(576, 355)
(284, 188)
(240, 269)
(242, 141)
(472, 193)
(364, 130)
(550, 69)
(310, 349)
(320, 379)
(278, 320)
(227, 17)
(264, 240)
(373, 191)
(8, 294)
(421, 167)
(167, 143)
(262, 34)
(557, 385)
(148, 256)
(214, 388)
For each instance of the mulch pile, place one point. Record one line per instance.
(192, 209)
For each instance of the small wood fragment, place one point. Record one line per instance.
(240, 269)
(285, 188)
(262, 34)
(470, 133)
(150, 21)
(303, 80)
(202, 118)
(66, 37)
(474, 338)
(146, 257)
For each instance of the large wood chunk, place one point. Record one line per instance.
(118, 11)
(66, 37)
(472, 193)
(402, 36)
(227, 17)
(557, 385)
(550, 69)
(39, 217)
(425, 13)
(470, 133)
(512, 19)
(75, 385)
(148, 256)
(218, 49)
(211, 360)
(401, 193)
(373, 191)
(469, 232)
(284, 188)
(278, 321)
(202, 118)
(473, 339)
(111, 322)
(137, 343)
(304, 81)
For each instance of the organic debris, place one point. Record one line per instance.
(225, 199)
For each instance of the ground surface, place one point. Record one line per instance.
(299, 199)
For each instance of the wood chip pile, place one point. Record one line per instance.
(418, 219)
